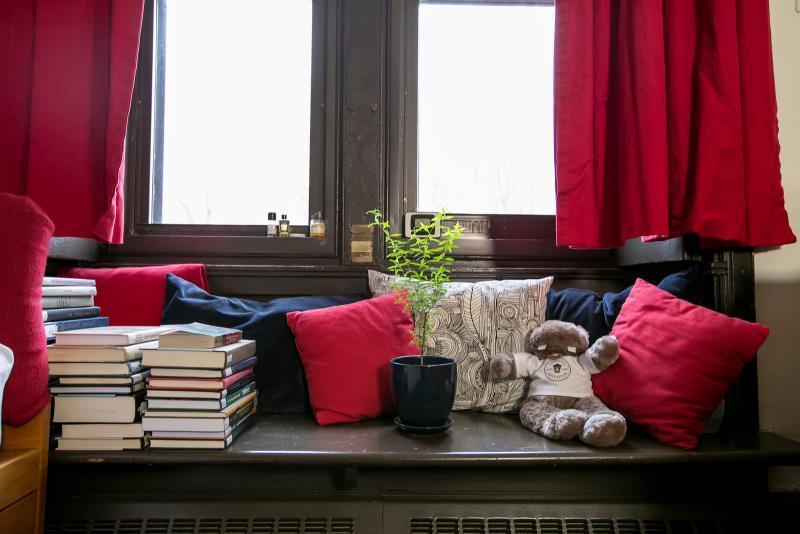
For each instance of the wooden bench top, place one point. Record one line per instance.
(475, 439)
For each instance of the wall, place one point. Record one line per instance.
(778, 271)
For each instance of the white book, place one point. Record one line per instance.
(97, 353)
(68, 291)
(94, 369)
(95, 409)
(217, 358)
(102, 430)
(111, 335)
(49, 303)
(58, 281)
(107, 444)
(50, 330)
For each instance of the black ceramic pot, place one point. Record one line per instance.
(424, 393)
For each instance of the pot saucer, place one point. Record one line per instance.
(423, 430)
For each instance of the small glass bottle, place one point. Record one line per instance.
(316, 226)
(283, 228)
(272, 224)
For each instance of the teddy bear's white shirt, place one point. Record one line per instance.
(565, 376)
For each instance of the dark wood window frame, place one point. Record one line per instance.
(144, 237)
(527, 237)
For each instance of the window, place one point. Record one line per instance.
(479, 137)
(232, 111)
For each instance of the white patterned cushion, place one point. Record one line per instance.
(472, 323)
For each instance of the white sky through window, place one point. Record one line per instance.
(485, 109)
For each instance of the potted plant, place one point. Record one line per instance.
(424, 386)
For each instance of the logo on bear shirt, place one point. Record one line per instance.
(557, 370)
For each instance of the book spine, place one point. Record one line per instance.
(68, 291)
(50, 330)
(67, 302)
(78, 324)
(233, 397)
(229, 339)
(63, 314)
(58, 281)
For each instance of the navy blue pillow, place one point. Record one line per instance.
(279, 373)
(597, 314)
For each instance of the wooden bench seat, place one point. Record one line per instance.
(487, 474)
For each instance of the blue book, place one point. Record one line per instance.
(64, 314)
(77, 324)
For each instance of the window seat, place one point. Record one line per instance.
(286, 474)
(475, 439)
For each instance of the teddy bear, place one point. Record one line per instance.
(560, 403)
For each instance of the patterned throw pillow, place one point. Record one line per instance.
(472, 323)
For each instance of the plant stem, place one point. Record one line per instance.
(423, 338)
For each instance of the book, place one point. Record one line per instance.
(76, 324)
(50, 330)
(199, 404)
(204, 414)
(199, 336)
(67, 302)
(96, 408)
(101, 430)
(68, 291)
(218, 358)
(177, 372)
(172, 434)
(231, 417)
(91, 390)
(63, 314)
(137, 378)
(168, 443)
(113, 444)
(200, 394)
(97, 353)
(94, 369)
(57, 281)
(111, 335)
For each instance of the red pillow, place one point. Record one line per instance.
(25, 233)
(677, 361)
(346, 352)
(134, 296)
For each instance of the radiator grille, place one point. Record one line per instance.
(205, 526)
(525, 525)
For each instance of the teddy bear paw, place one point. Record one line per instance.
(604, 430)
(565, 424)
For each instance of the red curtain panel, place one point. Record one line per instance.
(666, 123)
(67, 71)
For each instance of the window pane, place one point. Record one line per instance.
(236, 112)
(485, 109)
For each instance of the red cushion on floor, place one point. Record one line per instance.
(346, 352)
(134, 296)
(677, 361)
(25, 233)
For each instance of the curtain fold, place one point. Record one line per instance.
(68, 71)
(666, 123)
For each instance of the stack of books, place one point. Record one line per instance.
(68, 304)
(201, 391)
(98, 382)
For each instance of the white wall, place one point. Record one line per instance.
(778, 271)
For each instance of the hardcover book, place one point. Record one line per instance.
(72, 353)
(60, 369)
(178, 372)
(199, 336)
(167, 443)
(68, 291)
(96, 408)
(136, 378)
(67, 302)
(199, 404)
(202, 392)
(111, 335)
(76, 324)
(101, 431)
(113, 444)
(155, 422)
(63, 314)
(203, 414)
(218, 358)
(57, 281)
(96, 390)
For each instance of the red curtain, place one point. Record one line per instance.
(666, 123)
(66, 78)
